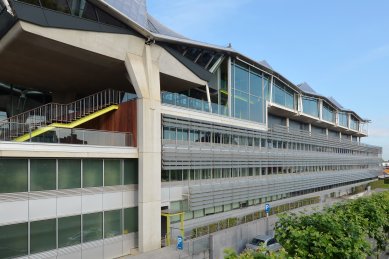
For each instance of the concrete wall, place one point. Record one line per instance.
(237, 237)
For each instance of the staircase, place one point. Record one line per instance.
(39, 120)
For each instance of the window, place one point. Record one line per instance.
(112, 172)
(131, 171)
(43, 235)
(43, 174)
(92, 226)
(57, 5)
(108, 19)
(13, 175)
(33, 2)
(69, 173)
(69, 231)
(343, 120)
(130, 220)
(112, 223)
(247, 93)
(92, 172)
(283, 95)
(310, 106)
(328, 113)
(14, 240)
(84, 9)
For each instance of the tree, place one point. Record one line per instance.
(341, 231)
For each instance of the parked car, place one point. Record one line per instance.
(269, 242)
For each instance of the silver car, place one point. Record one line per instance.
(269, 242)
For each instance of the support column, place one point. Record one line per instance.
(143, 71)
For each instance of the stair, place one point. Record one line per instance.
(39, 120)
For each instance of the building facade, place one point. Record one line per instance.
(113, 126)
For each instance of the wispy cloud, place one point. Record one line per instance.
(367, 58)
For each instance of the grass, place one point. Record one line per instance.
(379, 184)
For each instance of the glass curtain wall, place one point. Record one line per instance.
(343, 120)
(283, 95)
(354, 123)
(54, 174)
(247, 93)
(328, 113)
(219, 97)
(311, 106)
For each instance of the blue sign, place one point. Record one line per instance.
(267, 207)
(180, 243)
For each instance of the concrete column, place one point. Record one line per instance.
(143, 70)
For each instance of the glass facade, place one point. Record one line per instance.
(92, 226)
(247, 94)
(219, 90)
(310, 106)
(69, 173)
(112, 223)
(343, 119)
(328, 113)
(69, 231)
(92, 172)
(130, 216)
(283, 95)
(14, 240)
(43, 173)
(13, 175)
(43, 235)
(354, 123)
(112, 172)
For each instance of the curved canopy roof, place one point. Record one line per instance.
(134, 13)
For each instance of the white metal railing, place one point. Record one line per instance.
(44, 115)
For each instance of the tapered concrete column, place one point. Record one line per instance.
(143, 71)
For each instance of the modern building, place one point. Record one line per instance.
(112, 125)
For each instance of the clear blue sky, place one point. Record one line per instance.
(340, 48)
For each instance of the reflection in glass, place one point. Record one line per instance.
(112, 223)
(310, 106)
(241, 105)
(92, 226)
(69, 231)
(343, 120)
(43, 235)
(13, 240)
(130, 220)
(328, 113)
(112, 172)
(130, 171)
(57, 5)
(42, 174)
(69, 173)
(13, 175)
(92, 172)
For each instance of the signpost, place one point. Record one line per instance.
(267, 210)
(180, 243)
